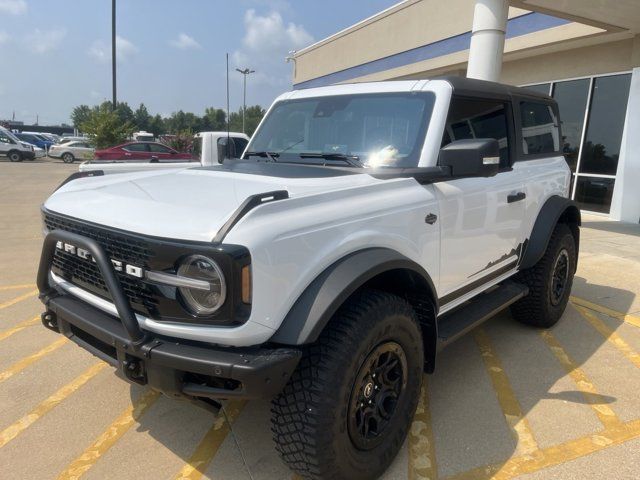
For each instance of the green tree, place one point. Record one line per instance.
(181, 141)
(252, 119)
(214, 120)
(157, 125)
(180, 121)
(142, 118)
(105, 128)
(80, 114)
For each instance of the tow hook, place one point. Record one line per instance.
(50, 320)
(134, 370)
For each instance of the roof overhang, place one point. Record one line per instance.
(611, 15)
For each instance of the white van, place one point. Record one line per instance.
(14, 149)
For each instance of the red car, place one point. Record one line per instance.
(151, 151)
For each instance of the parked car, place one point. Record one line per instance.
(50, 136)
(365, 227)
(38, 152)
(71, 151)
(141, 151)
(35, 139)
(71, 138)
(13, 148)
(209, 149)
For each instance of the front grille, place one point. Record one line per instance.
(85, 274)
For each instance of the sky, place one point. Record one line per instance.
(56, 54)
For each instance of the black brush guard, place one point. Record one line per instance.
(178, 368)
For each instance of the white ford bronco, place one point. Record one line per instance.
(365, 227)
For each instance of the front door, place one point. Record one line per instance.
(481, 218)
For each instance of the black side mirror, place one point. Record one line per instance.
(477, 157)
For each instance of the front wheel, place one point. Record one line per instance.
(15, 156)
(549, 281)
(68, 158)
(348, 406)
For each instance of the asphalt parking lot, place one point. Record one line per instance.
(505, 402)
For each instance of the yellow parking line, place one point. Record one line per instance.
(210, 443)
(422, 455)
(25, 422)
(607, 416)
(554, 455)
(625, 317)
(21, 326)
(109, 437)
(16, 287)
(25, 362)
(508, 402)
(611, 336)
(13, 301)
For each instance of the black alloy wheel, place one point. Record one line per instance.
(381, 381)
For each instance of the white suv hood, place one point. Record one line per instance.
(187, 204)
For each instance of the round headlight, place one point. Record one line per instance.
(200, 299)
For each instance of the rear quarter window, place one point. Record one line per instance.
(540, 129)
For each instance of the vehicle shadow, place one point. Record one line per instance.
(466, 400)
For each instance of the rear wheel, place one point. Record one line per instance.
(15, 156)
(348, 406)
(549, 281)
(68, 158)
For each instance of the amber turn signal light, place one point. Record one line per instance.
(246, 284)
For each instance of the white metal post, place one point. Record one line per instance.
(625, 204)
(487, 39)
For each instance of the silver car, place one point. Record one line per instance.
(71, 151)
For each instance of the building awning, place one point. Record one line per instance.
(610, 15)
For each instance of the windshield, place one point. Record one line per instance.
(377, 130)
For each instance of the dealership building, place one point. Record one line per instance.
(584, 53)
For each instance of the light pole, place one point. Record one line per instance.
(245, 73)
(113, 51)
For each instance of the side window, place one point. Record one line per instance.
(223, 151)
(470, 118)
(154, 147)
(540, 133)
(6, 139)
(137, 147)
(240, 144)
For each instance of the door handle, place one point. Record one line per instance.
(516, 197)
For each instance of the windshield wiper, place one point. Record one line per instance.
(270, 155)
(352, 160)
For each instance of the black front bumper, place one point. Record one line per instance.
(178, 368)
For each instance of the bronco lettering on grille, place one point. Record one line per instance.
(118, 265)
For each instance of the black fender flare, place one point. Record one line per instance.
(553, 210)
(321, 299)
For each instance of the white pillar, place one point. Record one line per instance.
(625, 205)
(487, 39)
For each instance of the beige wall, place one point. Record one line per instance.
(580, 62)
(405, 26)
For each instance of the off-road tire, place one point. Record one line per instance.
(537, 308)
(310, 417)
(14, 156)
(68, 158)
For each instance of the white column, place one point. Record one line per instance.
(487, 39)
(625, 205)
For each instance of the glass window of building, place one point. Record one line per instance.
(572, 97)
(593, 154)
(606, 124)
(594, 193)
